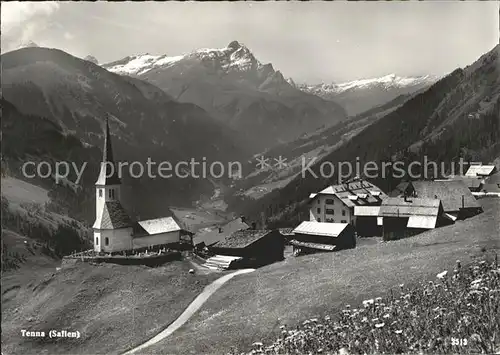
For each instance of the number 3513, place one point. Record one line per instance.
(459, 341)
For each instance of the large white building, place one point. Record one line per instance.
(335, 204)
(114, 230)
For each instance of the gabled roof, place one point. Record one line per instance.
(398, 207)
(113, 216)
(480, 170)
(357, 192)
(450, 193)
(321, 228)
(159, 225)
(242, 238)
(108, 174)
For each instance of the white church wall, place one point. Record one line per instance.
(118, 239)
(97, 241)
(157, 239)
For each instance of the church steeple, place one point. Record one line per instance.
(109, 171)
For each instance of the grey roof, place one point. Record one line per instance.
(242, 238)
(113, 216)
(211, 235)
(480, 170)
(357, 192)
(366, 211)
(159, 225)
(398, 207)
(450, 193)
(320, 228)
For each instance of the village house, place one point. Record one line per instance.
(336, 204)
(455, 196)
(247, 248)
(311, 236)
(114, 229)
(402, 217)
(208, 236)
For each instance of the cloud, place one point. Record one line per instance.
(68, 36)
(22, 20)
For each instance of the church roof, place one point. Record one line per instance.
(159, 225)
(109, 173)
(113, 216)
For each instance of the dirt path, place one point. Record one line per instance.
(189, 311)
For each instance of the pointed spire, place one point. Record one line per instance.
(108, 148)
(109, 172)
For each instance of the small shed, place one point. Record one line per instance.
(255, 247)
(311, 236)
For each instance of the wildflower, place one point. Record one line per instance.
(368, 302)
(365, 319)
(257, 343)
(375, 320)
(327, 317)
(282, 327)
(401, 285)
(347, 306)
(378, 299)
(476, 281)
(379, 325)
(441, 275)
(398, 331)
(386, 316)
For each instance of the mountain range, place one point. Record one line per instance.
(238, 90)
(77, 95)
(361, 95)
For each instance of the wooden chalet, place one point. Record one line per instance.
(251, 247)
(402, 217)
(312, 236)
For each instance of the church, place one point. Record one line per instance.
(114, 229)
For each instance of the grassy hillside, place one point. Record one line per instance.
(253, 307)
(113, 307)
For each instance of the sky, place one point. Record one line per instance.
(308, 41)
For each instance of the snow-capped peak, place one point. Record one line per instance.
(233, 57)
(386, 81)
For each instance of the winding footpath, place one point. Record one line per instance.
(190, 310)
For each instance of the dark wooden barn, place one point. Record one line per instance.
(366, 221)
(255, 247)
(404, 217)
(455, 196)
(313, 236)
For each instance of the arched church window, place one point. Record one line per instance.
(100, 192)
(106, 241)
(96, 240)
